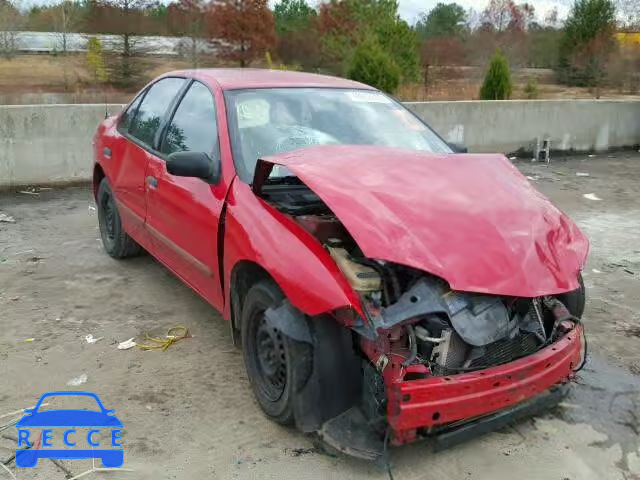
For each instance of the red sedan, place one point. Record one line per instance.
(383, 284)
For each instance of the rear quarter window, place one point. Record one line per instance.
(127, 116)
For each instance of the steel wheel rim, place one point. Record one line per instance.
(270, 360)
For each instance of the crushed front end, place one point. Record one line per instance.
(444, 364)
(469, 310)
(441, 361)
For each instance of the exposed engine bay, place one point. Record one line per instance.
(426, 322)
(416, 327)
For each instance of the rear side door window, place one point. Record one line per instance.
(193, 126)
(155, 104)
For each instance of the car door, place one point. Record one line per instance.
(183, 213)
(139, 125)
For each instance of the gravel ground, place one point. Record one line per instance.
(189, 413)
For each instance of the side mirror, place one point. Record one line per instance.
(457, 148)
(193, 164)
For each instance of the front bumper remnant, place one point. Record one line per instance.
(418, 406)
(449, 410)
(457, 434)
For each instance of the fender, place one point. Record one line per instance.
(298, 263)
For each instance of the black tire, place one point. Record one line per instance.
(115, 240)
(277, 365)
(575, 301)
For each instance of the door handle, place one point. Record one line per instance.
(152, 181)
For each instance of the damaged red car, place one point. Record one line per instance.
(384, 285)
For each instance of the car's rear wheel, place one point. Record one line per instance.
(117, 243)
(277, 365)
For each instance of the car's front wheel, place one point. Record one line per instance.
(117, 243)
(277, 365)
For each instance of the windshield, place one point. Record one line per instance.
(277, 120)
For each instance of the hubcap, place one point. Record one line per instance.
(272, 365)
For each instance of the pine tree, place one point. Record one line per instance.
(95, 60)
(372, 65)
(497, 83)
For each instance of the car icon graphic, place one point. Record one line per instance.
(28, 457)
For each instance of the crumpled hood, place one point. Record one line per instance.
(471, 219)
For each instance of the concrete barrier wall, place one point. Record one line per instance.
(45, 144)
(48, 144)
(512, 125)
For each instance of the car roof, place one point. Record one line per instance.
(236, 78)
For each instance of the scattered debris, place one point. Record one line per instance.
(174, 335)
(127, 344)
(592, 156)
(14, 299)
(92, 208)
(34, 190)
(29, 340)
(595, 270)
(531, 178)
(631, 272)
(513, 158)
(74, 382)
(4, 218)
(591, 196)
(582, 174)
(297, 452)
(91, 339)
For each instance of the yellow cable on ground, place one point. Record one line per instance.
(174, 334)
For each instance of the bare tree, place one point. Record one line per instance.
(126, 19)
(66, 20)
(189, 19)
(11, 22)
(630, 10)
(552, 18)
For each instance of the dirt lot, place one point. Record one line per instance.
(189, 413)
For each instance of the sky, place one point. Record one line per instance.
(411, 9)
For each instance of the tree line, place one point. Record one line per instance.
(362, 39)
